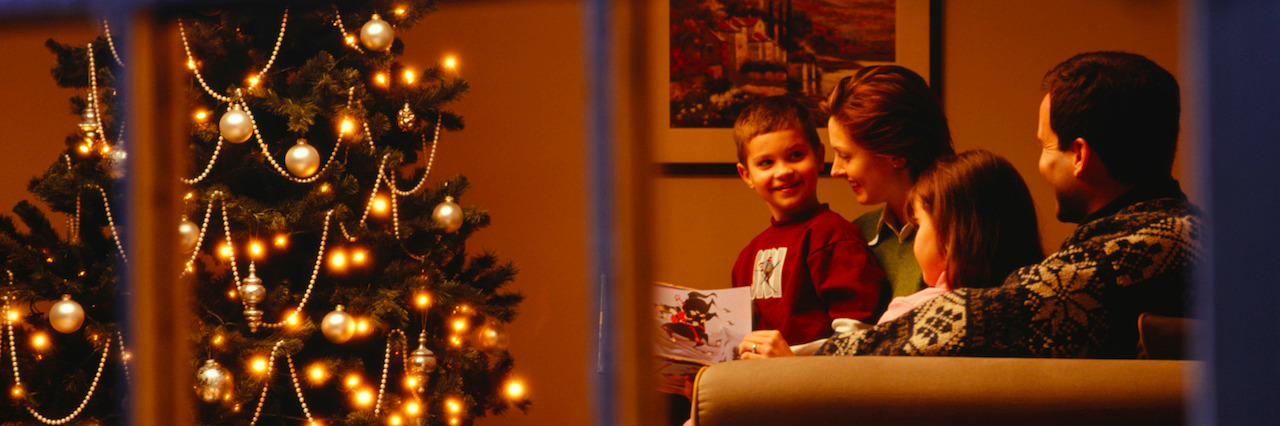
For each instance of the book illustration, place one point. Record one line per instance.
(700, 326)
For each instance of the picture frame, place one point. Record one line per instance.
(706, 64)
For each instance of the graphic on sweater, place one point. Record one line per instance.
(766, 275)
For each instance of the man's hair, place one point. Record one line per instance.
(890, 110)
(774, 114)
(1124, 105)
(983, 214)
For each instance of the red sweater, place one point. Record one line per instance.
(807, 272)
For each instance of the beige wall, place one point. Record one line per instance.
(995, 53)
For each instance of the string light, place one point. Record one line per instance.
(338, 260)
(256, 249)
(281, 241)
(253, 81)
(217, 340)
(451, 62)
(409, 76)
(364, 398)
(201, 115)
(189, 196)
(423, 300)
(84, 148)
(413, 408)
(459, 324)
(514, 389)
(380, 78)
(395, 420)
(453, 405)
(106, 150)
(258, 364)
(362, 326)
(292, 319)
(358, 256)
(411, 382)
(40, 341)
(324, 188)
(455, 340)
(347, 126)
(317, 374)
(380, 205)
(226, 250)
(231, 294)
(351, 40)
(352, 381)
(400, 11)
(17, 391)
(13, 316)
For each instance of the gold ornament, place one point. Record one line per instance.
(406, 118)
(66, 315)
(447, 215)
(235, 125)
(302, 160)
(188, 234)
(377, 35)
(252, 292)
(338, 326)
(212, 381)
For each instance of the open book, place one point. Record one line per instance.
(694, 328)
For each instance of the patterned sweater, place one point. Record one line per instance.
(1130, 257)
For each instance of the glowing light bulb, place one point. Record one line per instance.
(347, 126)
(380, 78)
(514, 389)
(292, 319)
(201, 115)
(451, 62)
(258, 365)
(423, 300)
(395, 420)
(256, 249)
(455, 340)
(380, 205)
(226, 250)
(362, 326)
(453, 405)
(364, 397)
(400, 11)
(281, 240)
(411, 382)
(352, 380)
(324, 188)
(351, 40)
(106, 149)
(16, 392)
(231, 294)
(253, 81)
(413, 408)
(189, 196)
(409, 76)
(460, 324)
(217, 340)
(84, 148)
(453, 421)
(338, 260)
(191, 64)
(12, 316)
(358, 256)
(40, 341)
(317, 374)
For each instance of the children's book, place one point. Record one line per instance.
(696, 328)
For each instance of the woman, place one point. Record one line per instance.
(886, 128)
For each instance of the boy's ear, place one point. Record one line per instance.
(745, 174)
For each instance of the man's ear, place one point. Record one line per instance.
(1082, 158)
(745, 175)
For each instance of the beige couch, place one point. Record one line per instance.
(941, 391)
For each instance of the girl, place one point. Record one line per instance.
(977, 224)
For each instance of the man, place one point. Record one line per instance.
(1108, 132)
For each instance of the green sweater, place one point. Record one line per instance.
(894, 254)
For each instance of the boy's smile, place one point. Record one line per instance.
(783, 169)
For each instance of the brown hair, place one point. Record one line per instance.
(890, 110)
(774, 114)
(984, 216)
(1124, 105)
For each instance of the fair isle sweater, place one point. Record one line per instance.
(1131, 256)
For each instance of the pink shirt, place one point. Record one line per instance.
(903, 304)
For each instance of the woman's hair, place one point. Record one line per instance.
(985, 219)
(890, 110)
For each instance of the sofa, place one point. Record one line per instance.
(875, 390)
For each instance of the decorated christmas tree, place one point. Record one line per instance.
(332, 281)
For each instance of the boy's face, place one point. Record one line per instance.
(783, 169)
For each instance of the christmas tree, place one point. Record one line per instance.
(332, 280)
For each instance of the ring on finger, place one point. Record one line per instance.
(753, 348)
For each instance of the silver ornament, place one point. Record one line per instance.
(115, 162)
(302, 160)
(406, 119)
(251, 289)
(236, 126)
(66, 315)
(421, 361)
(493, 337)
(338, 326)
(377, 35)
(188, 234)
(448, 215)
(212, 381)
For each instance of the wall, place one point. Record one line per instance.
(995, 53)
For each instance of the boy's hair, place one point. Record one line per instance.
(890, 110)
(984, 216)
(1124, 105)
(774, 114)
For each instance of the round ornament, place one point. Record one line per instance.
(493, 338)
(377, 35)
(188, 234)
(448, 215)
(66, 315)
(302, 160)
(406, 118)
(251, 289)
(115, 162)
(212, 381)
(338, 326)
(236, 127)
(422, 361)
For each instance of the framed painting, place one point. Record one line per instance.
(720, 55)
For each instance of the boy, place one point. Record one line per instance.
(810, 265)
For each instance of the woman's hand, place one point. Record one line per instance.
(764, 344)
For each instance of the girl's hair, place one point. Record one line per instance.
(890, 110)
(985, 219)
